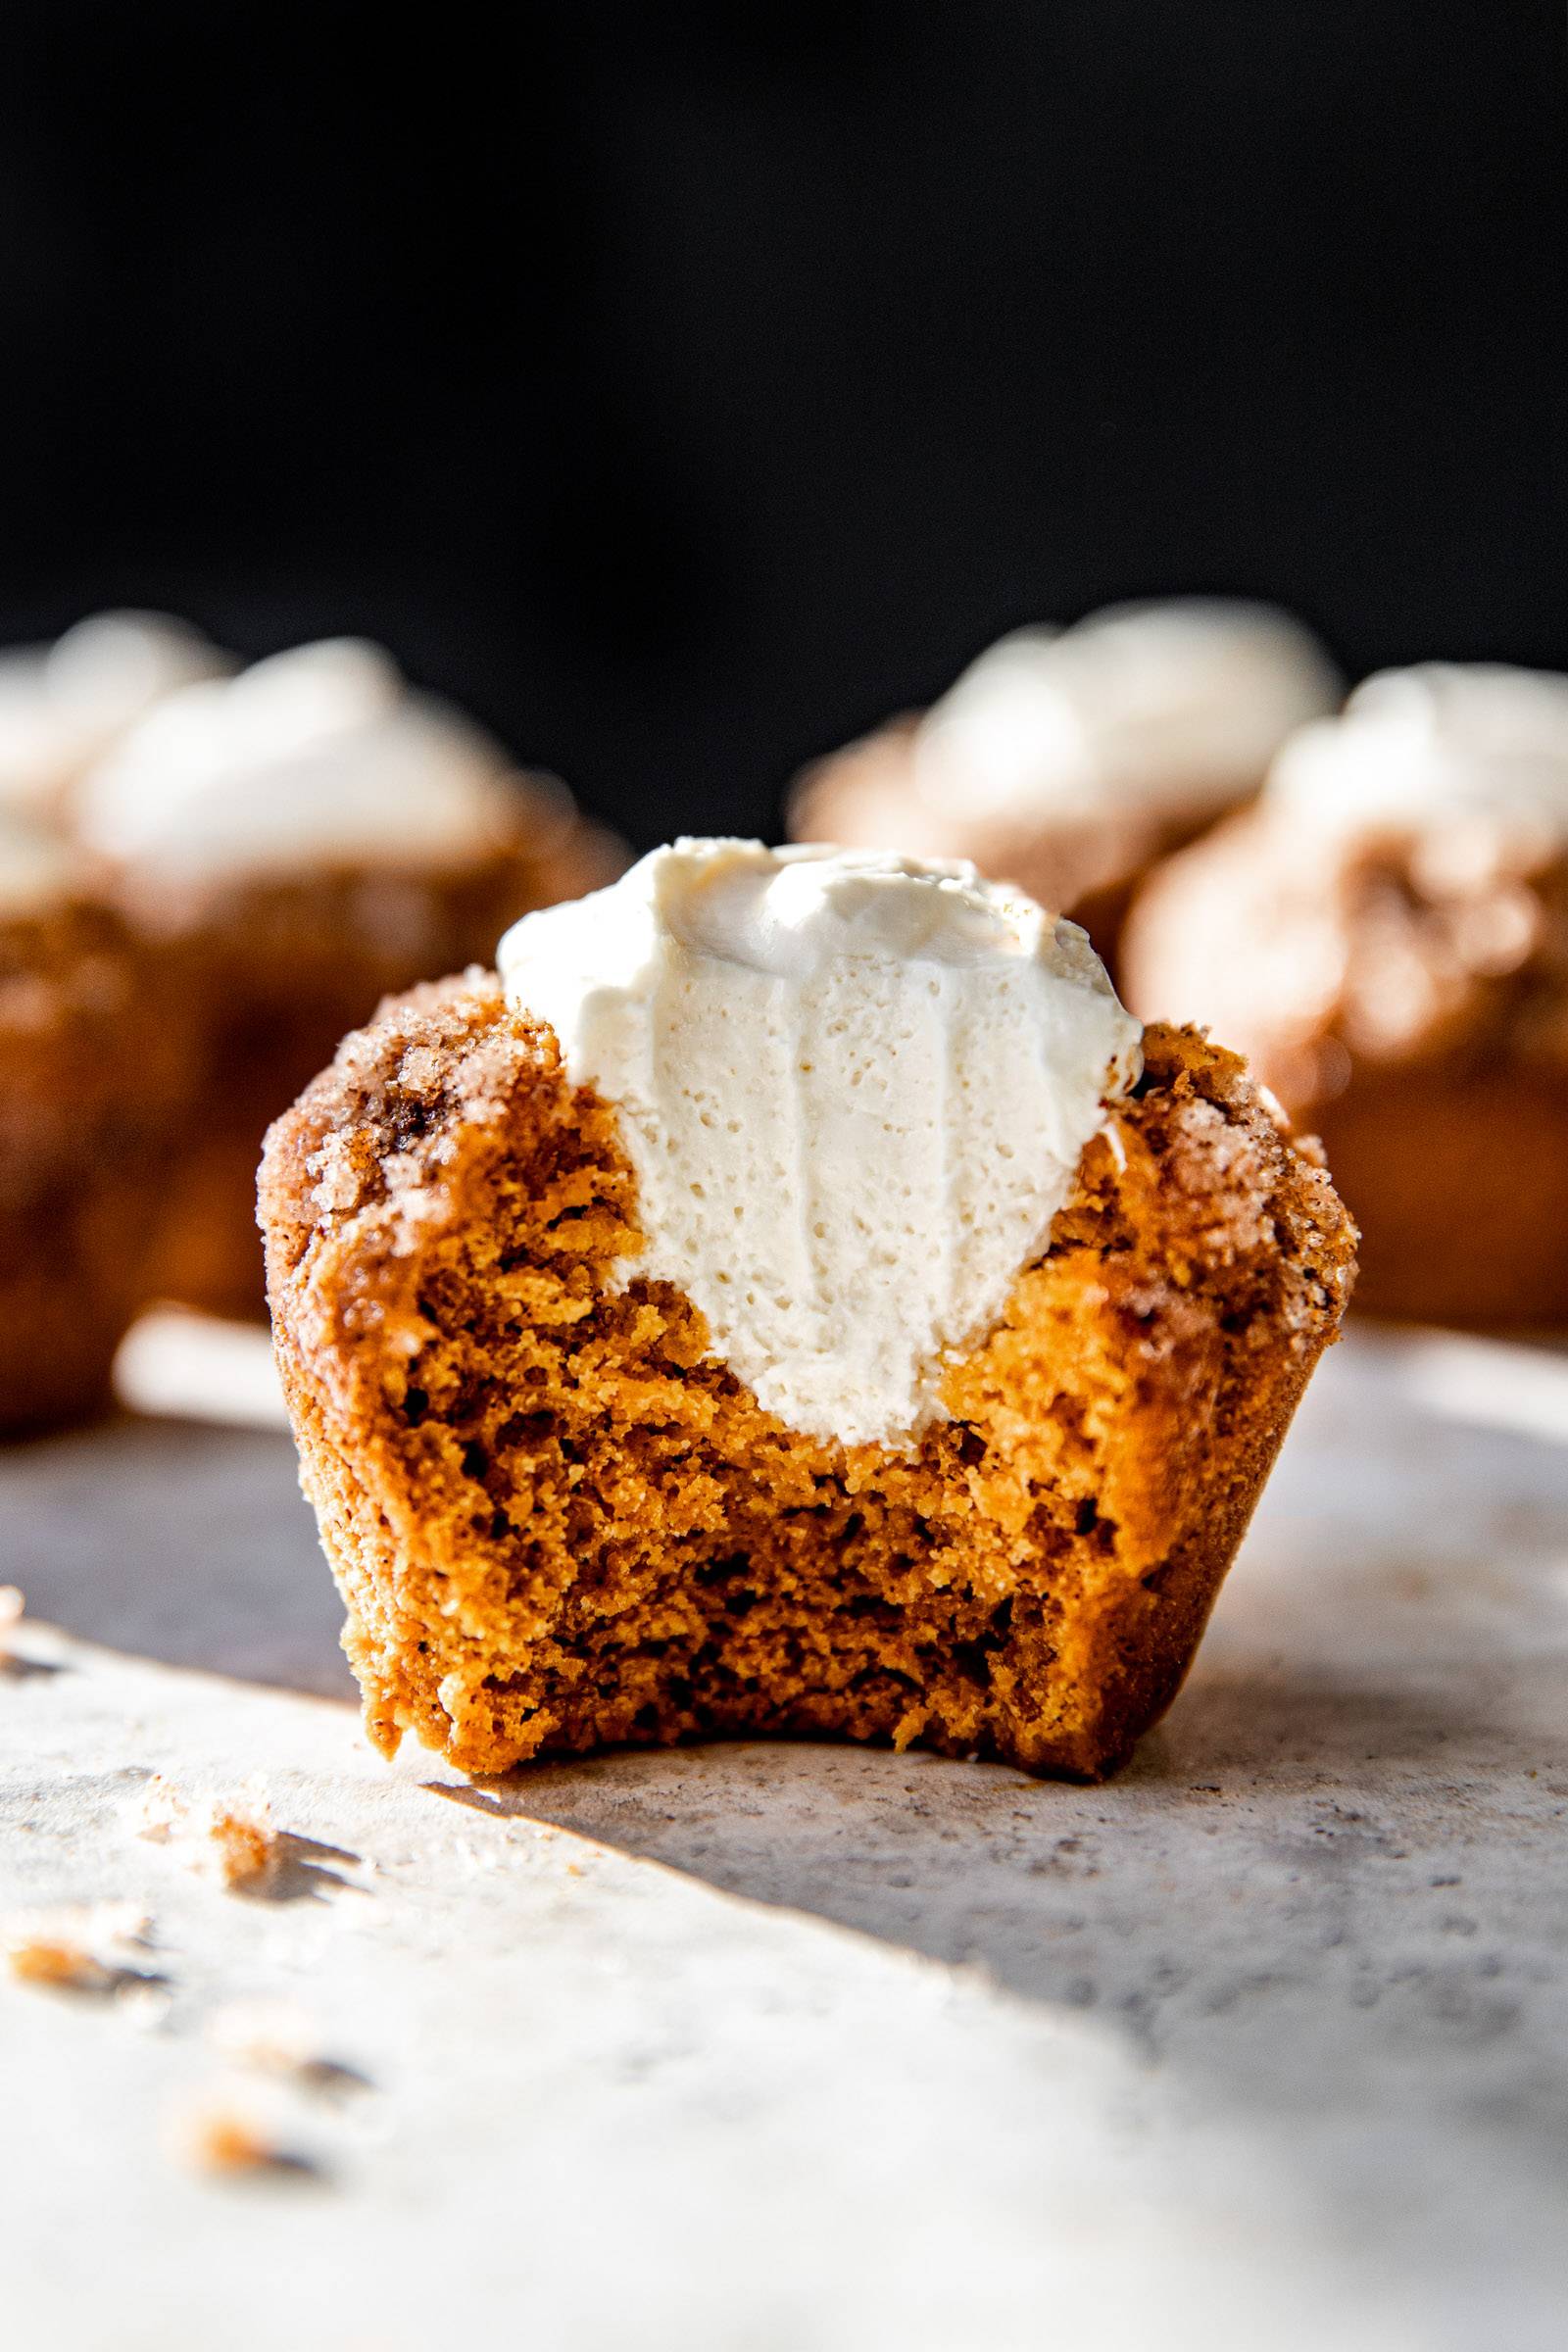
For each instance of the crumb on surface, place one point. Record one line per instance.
(224, 2134)
(56, 1957)
(76, 1948)
(232, 1839)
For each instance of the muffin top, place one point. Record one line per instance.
(323, 757)
(1467, 761)
(1398, 894)
(1176, 706)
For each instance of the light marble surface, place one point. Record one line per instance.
(795, 2049)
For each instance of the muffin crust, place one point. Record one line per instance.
(94, 1065)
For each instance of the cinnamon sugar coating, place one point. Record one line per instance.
(558, 1523)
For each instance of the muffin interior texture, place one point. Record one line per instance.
(559, 1522)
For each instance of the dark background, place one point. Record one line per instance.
(683, 388)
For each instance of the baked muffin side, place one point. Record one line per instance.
(95, 1072)
(560, 1523)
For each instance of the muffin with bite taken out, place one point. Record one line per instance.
(791, 1297)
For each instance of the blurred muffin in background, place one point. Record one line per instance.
(1070, 763)
(1386, 937)
(302, 840)
(63, 705)
(93, 1070)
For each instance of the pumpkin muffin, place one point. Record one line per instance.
(93, 1069)
(1386, 937)
(302, 840)
(788, 1302)
(1070, 763)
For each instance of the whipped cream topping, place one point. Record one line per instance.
(854, 1090)
(1432, 749)
(316, 754)
(63, 705)
(1174, 706)
(37, 867)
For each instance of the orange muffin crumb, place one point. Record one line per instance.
(233, 1842)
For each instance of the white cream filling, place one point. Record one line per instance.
(63, 705)
(1166, 706)
(1432, 749)
(854, 1090)
(319, 754)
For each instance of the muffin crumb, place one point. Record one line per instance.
(225, 2135)
(231, 1840)
(74, 1948)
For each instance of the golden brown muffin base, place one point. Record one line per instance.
(1461, 1188)
(276, 973)
(1089, 869)
(558, 1523)
(92, 1073)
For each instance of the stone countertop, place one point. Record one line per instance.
(802, 2050)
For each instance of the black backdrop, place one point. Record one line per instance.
(684, 387)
